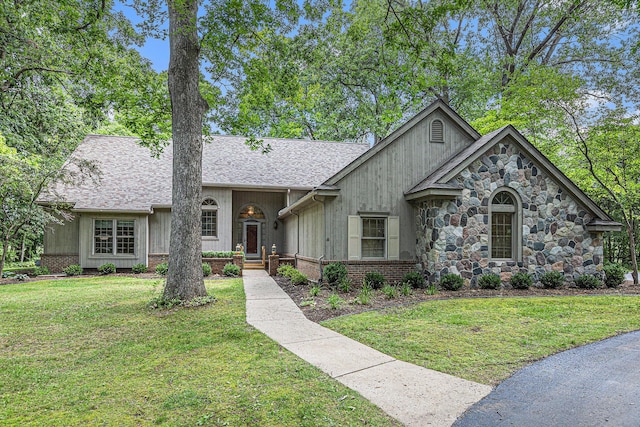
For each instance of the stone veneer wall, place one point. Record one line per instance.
(453, 235)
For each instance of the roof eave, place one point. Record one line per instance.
(433, 193)
(602, 226)
(310, 198)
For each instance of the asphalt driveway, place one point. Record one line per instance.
(595, 385)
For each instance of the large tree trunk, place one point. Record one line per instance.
(184, 279)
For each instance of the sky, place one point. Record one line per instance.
(156, 50)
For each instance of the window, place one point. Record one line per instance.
(209, 218)
(374, 239)
(120, 242)
(437, 131)
(503, 226)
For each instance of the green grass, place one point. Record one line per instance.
(90, 352)
(487, 340)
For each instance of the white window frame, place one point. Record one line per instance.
(376, 238)
(355, 236)
(114, 237)
(209, 205)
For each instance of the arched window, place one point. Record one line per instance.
(437, 131)
(504, 226)
(209, 218)
(251, 212)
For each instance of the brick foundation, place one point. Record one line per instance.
(217, 264)
(393, 271)
(56, 263)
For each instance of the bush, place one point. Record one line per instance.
(364, 297)
(231, 270)
(334, 273)
(73, 270)
(108, 268)
(405, 289)
(415, 279)
(298, 278)
(286, 270)
(41, 271)
(614, 275)
(521, 281)
(588, 281)
(314, 291)
(139, 268)
(489, 281)
(374, 279)
(206, 269)
(162, 269)
(218, 254)
(552, 279)
(451, 282)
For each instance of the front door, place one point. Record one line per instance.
(251, 238)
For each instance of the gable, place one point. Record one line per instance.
(412, 144)
(447, 179)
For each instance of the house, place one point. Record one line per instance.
(434, 195)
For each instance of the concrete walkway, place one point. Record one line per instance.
(413, 395)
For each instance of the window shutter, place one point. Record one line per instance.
(393, 239)
(354, 237)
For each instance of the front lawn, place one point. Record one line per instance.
(88, 351)
(488, 339)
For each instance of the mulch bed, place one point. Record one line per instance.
(318, 309)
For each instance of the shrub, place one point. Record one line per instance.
(8, 274)
(489, 281)
(21, 277)
(613, 275)
(73, 270)
(335, 301)
(552, 279)
(521, 281)
(374, 279)
(451, 282)
(298, 278)
(217, 254)
(162, 269)
(286, 270)
(40, 271)
(230, 269)
(415, 279)
(390, 292)
(108, 268)
(206, 269)
(345, 285)
(334, 273)
(588, 281)
(431, 290)
(139, 268)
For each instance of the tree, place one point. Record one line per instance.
(184, 279)
(59, 63)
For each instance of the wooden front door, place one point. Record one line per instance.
(252, 239)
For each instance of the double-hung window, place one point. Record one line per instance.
(374, 237)
(504, 227)
(209, 218)
(114, 237)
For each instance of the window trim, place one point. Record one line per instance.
(516, 224)
(114, 238)
(209, 204)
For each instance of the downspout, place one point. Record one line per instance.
(324, 237)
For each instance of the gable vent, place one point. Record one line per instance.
(437, 131)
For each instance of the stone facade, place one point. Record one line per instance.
(453, 234)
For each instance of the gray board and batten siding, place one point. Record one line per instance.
(377, 182)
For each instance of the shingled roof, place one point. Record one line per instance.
(133, 180)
